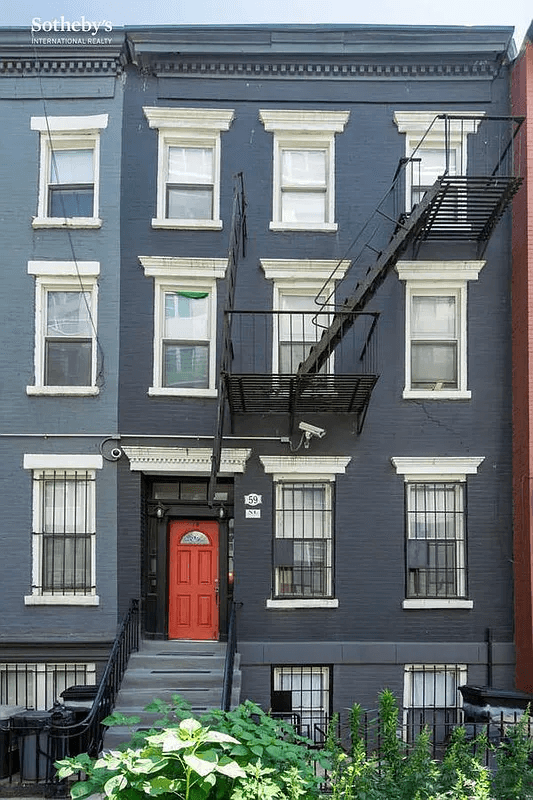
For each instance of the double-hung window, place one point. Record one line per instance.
(304, 167)
(188, 171)
(434, 146)
(302, 291)
(303, 541)
(303, 532)
(301, 695)
(436, 541)
(69, 171)
(432, 700)
(185, 314)
(65, 327)
(64, 529)
(436, 327)
(435, 530)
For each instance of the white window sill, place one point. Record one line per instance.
(430, 602)
(188, 224)
(290, 604)
(66, 222)
(61, 600)
(156, 391)
(62, 391)
(439, 394)
(317, 227)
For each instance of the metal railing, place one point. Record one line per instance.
(229, 663)
(35, 740)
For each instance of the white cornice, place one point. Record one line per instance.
(185, 460)
(312, 269)
(439, 270)
(312, 467)
(207, 119)
(316, 121)
(436, 468)
(418, 122)
(183, 268)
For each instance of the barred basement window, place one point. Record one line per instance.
(38, 686)
(432, 699)
(302, 696)
(64, 536)
(436, 557)
(303, 540)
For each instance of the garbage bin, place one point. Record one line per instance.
(9, 753)
(37, 748)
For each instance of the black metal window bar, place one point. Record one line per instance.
(39, 685)
(432, 700)
(65, 532)
(301, 695)
(303, 558)
(436, 540)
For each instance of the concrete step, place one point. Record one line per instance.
(162, 669)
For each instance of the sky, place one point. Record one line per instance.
(515, 13)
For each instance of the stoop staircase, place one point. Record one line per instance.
(161, 669)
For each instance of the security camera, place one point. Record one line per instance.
(311, 430)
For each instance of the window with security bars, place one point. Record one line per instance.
(302, 696)
(432, 699)
(64, 532)
(38, 686)
(436, 541)
(303, 559)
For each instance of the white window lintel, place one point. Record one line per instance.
(315, 121)
(187, 119)
(448, 468)
(433, 271)
(91, 123)
(188, 270)
(304, 273)
(323, 468)
(64, 268)
(60, 461)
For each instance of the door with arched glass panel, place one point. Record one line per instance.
(193, 580)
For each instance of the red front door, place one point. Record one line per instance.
(193, 580)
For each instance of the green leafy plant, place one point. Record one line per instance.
(514, 774)
(188, 761)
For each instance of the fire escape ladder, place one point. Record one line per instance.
(405, 234)
(237, 247)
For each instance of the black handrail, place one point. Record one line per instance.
(229, 662)
(87, 734)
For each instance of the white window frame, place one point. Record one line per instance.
(188, 127)
(42, 466)
(439, 278)
(460, 671)
(67, 133)
(301, 469)
(305, 278)
(62, 276)
(186, 275)
(303, 130)
(438, 469)
(419, 136)
(38, 681)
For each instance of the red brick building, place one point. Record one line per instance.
(522, 304)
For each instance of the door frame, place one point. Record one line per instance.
(154, 578)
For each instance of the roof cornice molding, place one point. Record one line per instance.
(460, 67)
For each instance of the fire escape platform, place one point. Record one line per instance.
(299, 394)
(467, 208)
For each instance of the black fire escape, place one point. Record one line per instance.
(327, 360)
